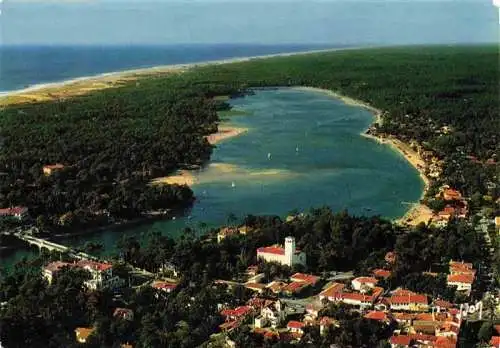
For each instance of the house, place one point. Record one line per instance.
(313, 309)
(294, 288)
(463, 282)
(304, 278)
(252, 270)
(123, 313)
(17, 212)
(260, 322)
(495, 342)
(276, 286)
(296, 327)
(400, 341)
(461, 267)
(226, 232)
(363, 283)
(381, 273)
(451, 195)
(332, 292)
(50, 271)
(168, 287)
(238, 313)
(445, 342)
(497, 223)
(378, 316)
(409, 302)
(101, 274)
(325, 323)
(288, 255)
(229, 325)
(51, 168)
(257, 287)
(274, 313)
(83, 333)
(405, 319)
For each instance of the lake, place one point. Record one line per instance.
(302, 149)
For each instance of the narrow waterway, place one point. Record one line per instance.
(302, 149)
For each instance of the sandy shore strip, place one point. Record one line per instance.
(83, 85)
(186, 177)
(418, 212)
(224, 133)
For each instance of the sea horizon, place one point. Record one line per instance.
(27, 77)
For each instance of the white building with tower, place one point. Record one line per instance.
(289, 255)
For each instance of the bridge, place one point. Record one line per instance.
(51, 246)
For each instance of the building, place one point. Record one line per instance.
(288, 255)
(461, 268)
(463, 282)
(381, 273)
(400, 341)
(123, 313)
(296, 327)
(332, 292)
(237, 314)
(83, 333)
(304, 278)
(363, 283)
(51, 168)
(275, 313)
(18, 213)
(390, 257)
(409, 302)
(258, 287)
(325, 323)
(168, 287)
(101, 275)
(378, 316)
(50, 271)
(451, 195)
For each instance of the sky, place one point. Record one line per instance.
(352, 22)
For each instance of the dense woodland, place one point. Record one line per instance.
(187, 317)
(113, 142)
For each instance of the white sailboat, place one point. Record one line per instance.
(268, 155)
(233, 184)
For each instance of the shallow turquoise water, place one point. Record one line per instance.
(317, 157)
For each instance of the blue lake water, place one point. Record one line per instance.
(302, 149)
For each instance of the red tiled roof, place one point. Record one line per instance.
(445, 342)
(54, 166)
(376, 315)
(402, 292)
(254, 286)
(276, 286)
(443, 304)
(229, 325)
(461, 278)
(97, 266)
(495, 341)
(363, 280)
(293, 324)
(57, 265)
(161, 285)
(122, 312)
(274, 250)
(423, 338)
(334, 289)
(294, 287)
(326, 321)
(420, 299)
(497, 329)
(237, 312)
(381, 273)
(402, 340)
(451, 194)
(13, 211)
(301, 277)
(403, 316)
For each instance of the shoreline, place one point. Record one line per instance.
(418, 212)
(187, 177)
(85, 84)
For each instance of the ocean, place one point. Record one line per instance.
(43, 42)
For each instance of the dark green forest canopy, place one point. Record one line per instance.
(115, 140)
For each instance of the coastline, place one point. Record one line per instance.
(86, 84)
(187, 177)
(418, 212)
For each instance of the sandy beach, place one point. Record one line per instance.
(82, 85)
(418, 212)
